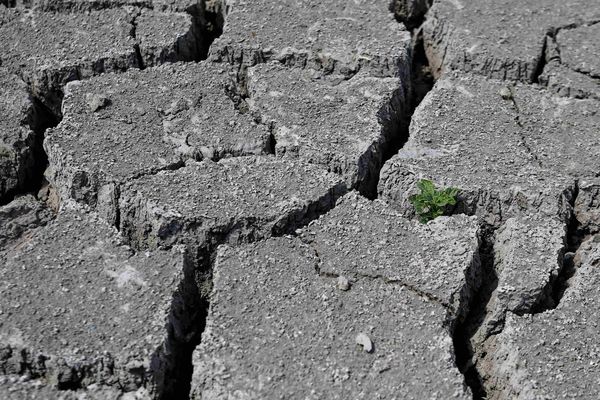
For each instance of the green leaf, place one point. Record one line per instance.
(430, 203)
(452, 192)
(427, 187)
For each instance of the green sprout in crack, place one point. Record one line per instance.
(431, 203)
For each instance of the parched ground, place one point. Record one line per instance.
(210, 199)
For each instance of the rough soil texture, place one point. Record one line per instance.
(211, 199)
(277, 327)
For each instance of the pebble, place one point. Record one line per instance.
(96, 101)
(343, 283)
(506, 93)
(365, 342)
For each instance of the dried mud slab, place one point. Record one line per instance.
(339, 37)
(80, 308)
(277, 328)
(510, 150)
(234, 200)
(499, 39)
(555, 354)
(19, 144)
(360, 238)
(49, 49)
(118, 127)
(345, 126)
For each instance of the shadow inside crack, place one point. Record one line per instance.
(466, 328)
(171, 365)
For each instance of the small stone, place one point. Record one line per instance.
(506, 93)
(365, 342)
(343, 283)
(96, 101)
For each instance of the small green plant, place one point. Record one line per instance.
(430, 203)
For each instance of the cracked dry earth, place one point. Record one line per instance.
(208, 199)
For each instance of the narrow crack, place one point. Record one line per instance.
(136, 47)
(45, 120)
(208, 18)
(557, 284)
(32, 173)
(521, 125)
(422, 82)
(171, 364)
(272, 144)
(174, 166)
(385, 280)
(588, 74)
(542, 61)
(578, 24)
(468, 326)
(411, 288)
(394, 119)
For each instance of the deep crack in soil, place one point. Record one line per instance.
(575, 235)
(465, 329)
(41, 120)
(422, 82)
